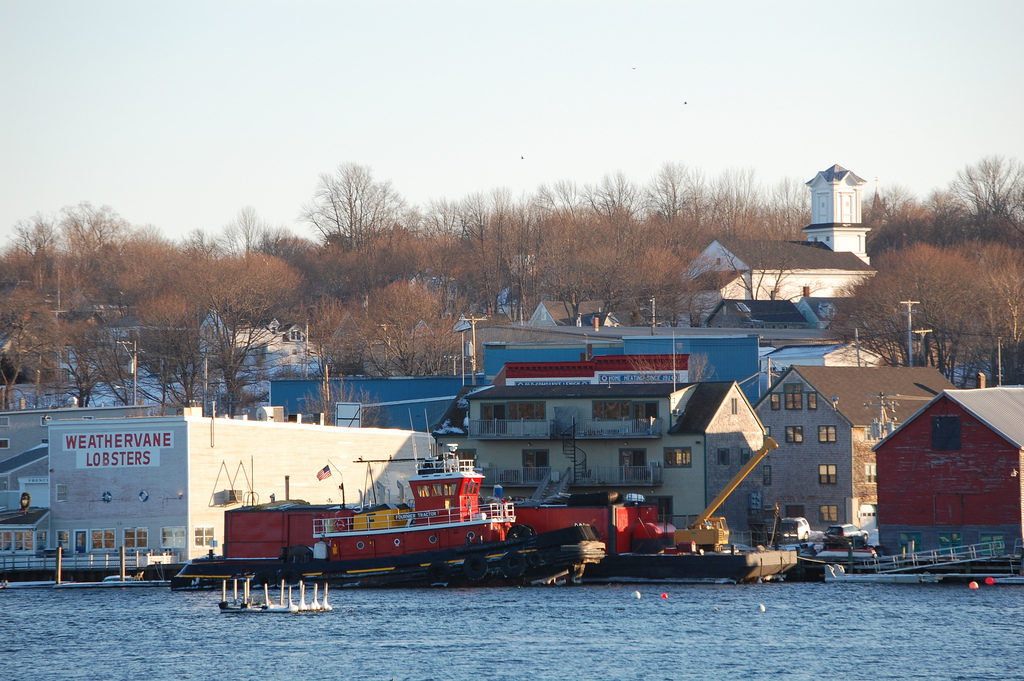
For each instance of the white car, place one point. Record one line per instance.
(795, 530)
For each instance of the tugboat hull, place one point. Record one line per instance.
(550, 557)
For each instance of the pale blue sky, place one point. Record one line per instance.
(179, 114)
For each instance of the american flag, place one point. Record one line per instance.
(324, 472)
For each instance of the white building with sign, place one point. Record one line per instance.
(162, 484)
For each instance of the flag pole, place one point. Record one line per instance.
(341, 479)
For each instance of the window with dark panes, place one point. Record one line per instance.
(633, 457)
(794, 434)
(812, 400)
(826, 433)
(491, 411)
(794, 395)
(774, 401)
(611, 409)
(945, 432)
(827, 474)
(528, 411)
(645, 410)
(678, 457)
(535, 458)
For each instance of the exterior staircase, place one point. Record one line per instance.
(576, 455)
(549, 487)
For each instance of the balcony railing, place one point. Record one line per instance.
(586, 429)
(531, 476)
(521, 429)
(590, 429)
(595, 476)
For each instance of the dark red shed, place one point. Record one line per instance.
(951, 474)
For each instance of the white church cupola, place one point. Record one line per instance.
(835, 212)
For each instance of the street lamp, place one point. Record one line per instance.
(134, 352)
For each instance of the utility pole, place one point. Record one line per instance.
(134, 352)
(460, 326)
(910, 329)
(922, 332)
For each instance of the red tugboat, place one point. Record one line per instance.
(447, 538)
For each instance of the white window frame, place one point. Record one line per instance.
(134, 533)
(203, 535)
(108, 539)
(176, 535)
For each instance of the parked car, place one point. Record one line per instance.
(795, 530)
(846, 533)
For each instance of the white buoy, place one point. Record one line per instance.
(637, 594)
(761, 606)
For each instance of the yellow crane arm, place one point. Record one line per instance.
(769, 445)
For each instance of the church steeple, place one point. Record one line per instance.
(836, 211)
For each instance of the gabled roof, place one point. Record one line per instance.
(40, 451)
(1001, 408)
(770, 256)
(858, 389)
(761, 312)
(561, 312)
(700, 409)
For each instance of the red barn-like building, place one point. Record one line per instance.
(951, 474)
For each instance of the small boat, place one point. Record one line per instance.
(446, 538)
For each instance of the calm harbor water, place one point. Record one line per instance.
(805, 631)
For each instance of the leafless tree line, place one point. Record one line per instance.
(379, 283)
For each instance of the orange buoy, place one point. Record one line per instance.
(972, 585)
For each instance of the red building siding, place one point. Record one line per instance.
(970, 488)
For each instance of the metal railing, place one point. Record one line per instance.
(86, 561)
(591, 429)
(511, 429)
(594, 476)
(521, 476)
(499, 512)
(586, 429)
(951, 555)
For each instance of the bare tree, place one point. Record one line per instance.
(352, 210)
(170, 347)
(993, 192)
(241, 296)
(245, 232)
(408, 333)
(28, 335)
